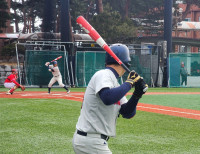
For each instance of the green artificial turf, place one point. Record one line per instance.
(37, 125)
(180, 101)
(156, 134)
(47, 125)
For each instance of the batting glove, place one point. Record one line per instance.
(47, 63)
(133, 77)
(140, 88)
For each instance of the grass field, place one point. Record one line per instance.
(47, 125)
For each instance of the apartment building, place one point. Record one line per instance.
(189, 27)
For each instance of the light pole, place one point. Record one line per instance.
(167, 37)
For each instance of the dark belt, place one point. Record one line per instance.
(85, 134)
(57, 76)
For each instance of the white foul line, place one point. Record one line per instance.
(169, 110)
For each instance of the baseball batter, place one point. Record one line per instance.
(11, 82)
(104, 101)
(57, 77)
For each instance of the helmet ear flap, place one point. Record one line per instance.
(127, 64)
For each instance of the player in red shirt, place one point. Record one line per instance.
(11, 82)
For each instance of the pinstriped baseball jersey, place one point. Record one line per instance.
(96, 117)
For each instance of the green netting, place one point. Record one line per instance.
(88, 62)
(137, 65)
(190, 72)
(36, 73)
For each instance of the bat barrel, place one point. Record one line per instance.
(97, 38)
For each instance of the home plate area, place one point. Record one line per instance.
(77, 96)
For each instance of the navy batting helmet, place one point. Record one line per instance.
(54, 62)
(122, 52)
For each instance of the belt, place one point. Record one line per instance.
(95, 135)
(57, 76)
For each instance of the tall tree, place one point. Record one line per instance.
(26, 12)
(113, 27)
(99, 6)
(15, 15)
(4, 16)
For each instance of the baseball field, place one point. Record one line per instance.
(167, 121)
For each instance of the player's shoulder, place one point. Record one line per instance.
(11, 76)
(103, 73)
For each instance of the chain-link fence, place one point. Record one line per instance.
(144, 60)
(37, 74)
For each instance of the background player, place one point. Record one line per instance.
(11, 82)
(184, 74)
(104, 100)
(56, 76)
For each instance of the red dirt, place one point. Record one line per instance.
(78, 96)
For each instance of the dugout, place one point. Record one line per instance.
(191, 64)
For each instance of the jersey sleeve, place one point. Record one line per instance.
(102, 80)
(15, 82)
(12, 78)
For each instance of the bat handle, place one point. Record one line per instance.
(125, 67)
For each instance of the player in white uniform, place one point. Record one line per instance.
(104, 100)
(56, 76)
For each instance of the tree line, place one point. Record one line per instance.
(114, 19)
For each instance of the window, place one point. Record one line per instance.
(187, 19)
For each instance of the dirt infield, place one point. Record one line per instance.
(78, 96)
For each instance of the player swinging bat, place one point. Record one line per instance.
(57, 77)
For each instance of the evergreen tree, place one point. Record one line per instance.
(113, 27)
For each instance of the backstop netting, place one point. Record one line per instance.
(37, 74)
(184, 69)
(89, 62)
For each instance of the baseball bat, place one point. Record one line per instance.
(98, 39)
(56, 58)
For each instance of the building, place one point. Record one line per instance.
(8, 29)
(189, 27)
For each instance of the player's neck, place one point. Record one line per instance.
(118, 68)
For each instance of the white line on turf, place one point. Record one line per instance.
(169, 110)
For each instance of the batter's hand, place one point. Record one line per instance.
(140, 88)
(47, 63)
(22, 87)
(133, 77)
